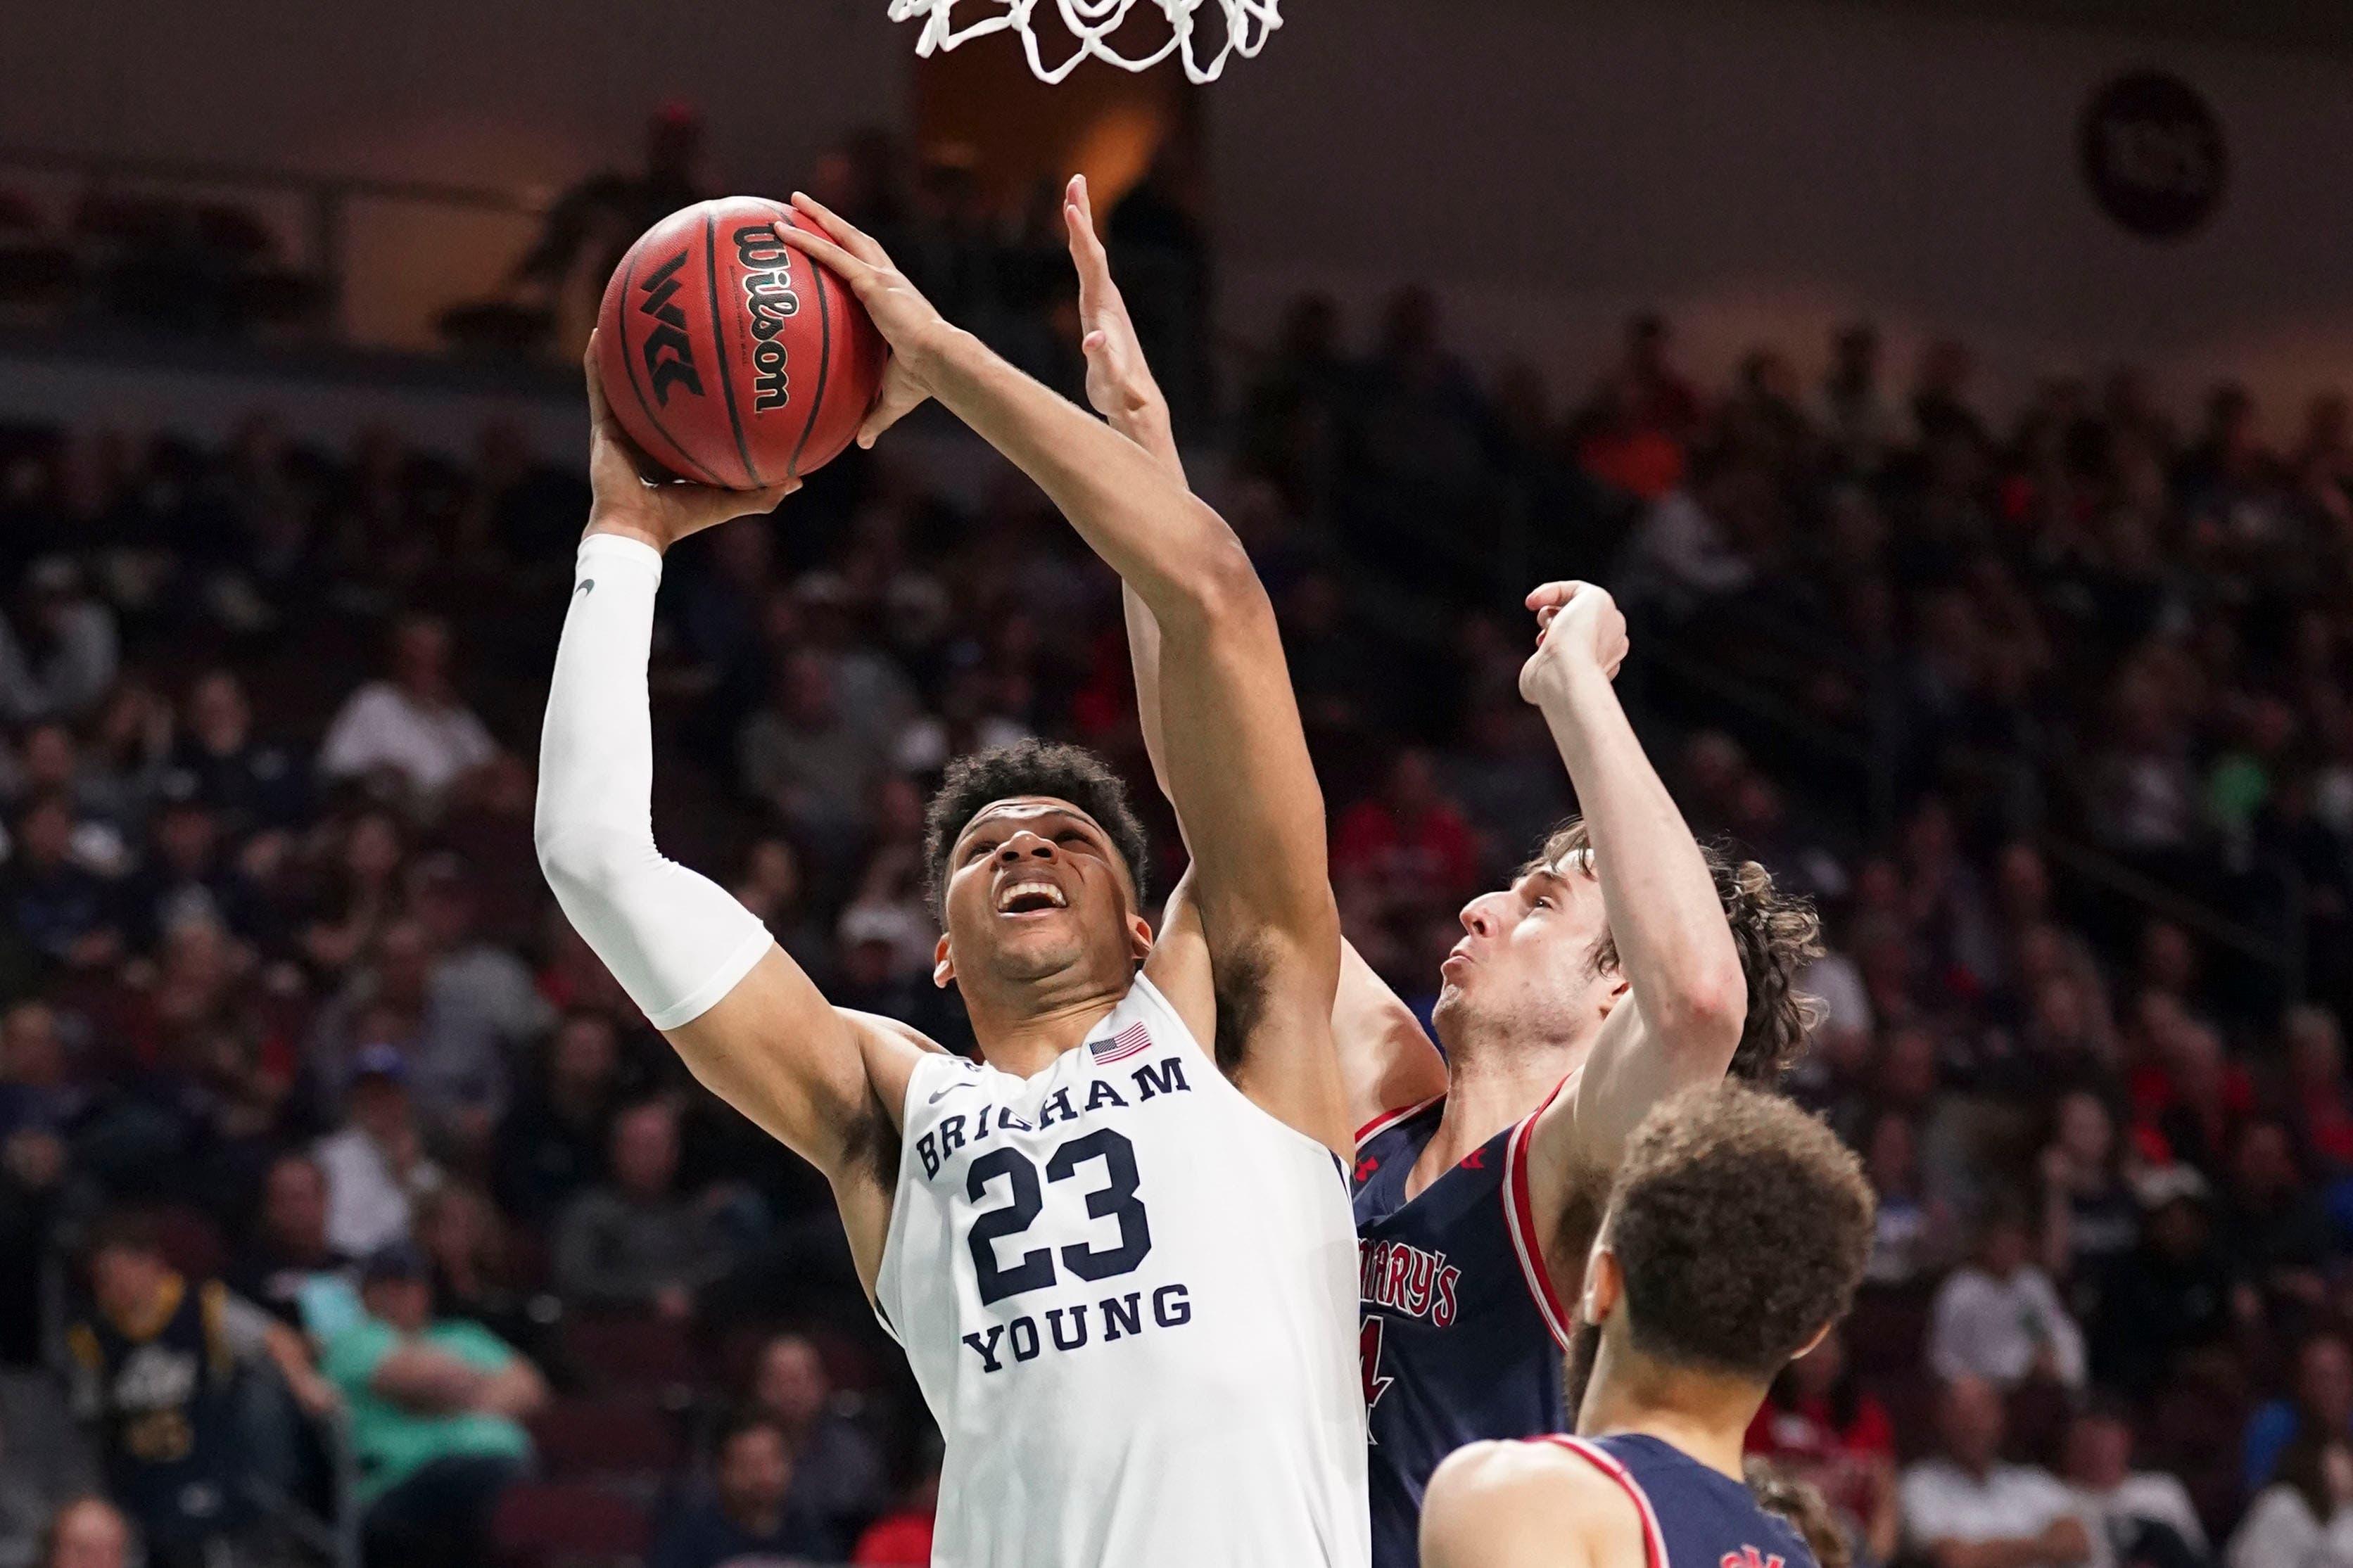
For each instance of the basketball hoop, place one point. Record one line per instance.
(1092, 23)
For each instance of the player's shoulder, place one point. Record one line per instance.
(1536, 1478)
(1488, 1500)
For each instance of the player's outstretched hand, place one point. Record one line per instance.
(1120, 385)
(905, 318)
(629, 498)
(1577, 624)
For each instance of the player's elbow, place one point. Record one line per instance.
(1706, 1009)
(584, 865)
(1216, 588)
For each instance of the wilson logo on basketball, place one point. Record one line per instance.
(670, 357)
(769, 299)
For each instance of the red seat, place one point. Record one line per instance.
(579, 1439)
(567, 1524)
(619, 1353)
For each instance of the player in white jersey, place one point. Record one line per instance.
(1119, 1251)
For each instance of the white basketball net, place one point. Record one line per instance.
(1093, 22)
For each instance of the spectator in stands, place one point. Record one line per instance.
(475, 983)
(809, 761)
(2089, 1217)
(154, 1365)
(1409, 841)
(186, 876)
(552, 1144)
(2304, 1519)
(436, 1412)
(412, 729)
(2280, 1231)
(1964, 1507)
(1913, 1229)
(1820, 1425)
(288, 1267)
(377, 1167)
(752, 1513)
(837, 1474)
(1856, 417)
(2137, 1517)
(91, 1532)
(60, 908)
(248, 783)
(454, 1047)
(2175, 1292)
(465, 1243)
(635, 1241)
(595, 221)
(1997, 1317)
(60, 657)
(361, 896)
(2322, 1400)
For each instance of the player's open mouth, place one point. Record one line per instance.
(1031, 898)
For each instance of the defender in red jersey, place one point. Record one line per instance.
(1734, 1237)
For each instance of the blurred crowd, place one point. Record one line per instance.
(358, 1211)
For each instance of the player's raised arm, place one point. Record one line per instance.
(1684, 1001)
(1679, 1018)
(1237, 760)
(744, 1017)
(1387, 1060)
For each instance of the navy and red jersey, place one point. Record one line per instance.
(1462, 1334)
(1692, 1517)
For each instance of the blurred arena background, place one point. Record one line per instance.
(1952, 390)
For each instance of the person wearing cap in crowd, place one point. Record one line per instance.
(2176, 1291)
(375, 1166)
(155, 1364)
(437, 1407)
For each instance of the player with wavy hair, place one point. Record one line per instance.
(1625, 962)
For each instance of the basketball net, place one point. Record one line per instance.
(1092, 23)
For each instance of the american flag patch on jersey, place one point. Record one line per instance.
(1123, 1045)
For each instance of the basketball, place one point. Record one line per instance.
(731, 358)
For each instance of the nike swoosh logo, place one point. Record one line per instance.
(951, 1088)
(587, 586)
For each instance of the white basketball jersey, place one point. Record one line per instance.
(1130, 1298)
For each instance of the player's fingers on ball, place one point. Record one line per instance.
(597, 409)
(822, 249)
(855, 240)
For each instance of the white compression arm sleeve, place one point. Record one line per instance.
(675, 941)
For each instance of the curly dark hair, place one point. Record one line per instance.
(1049, 768)
(1802, 1504)
(1778, 934)
(1741, 1224)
